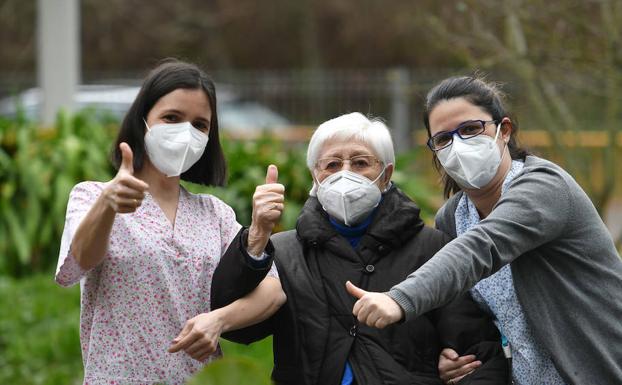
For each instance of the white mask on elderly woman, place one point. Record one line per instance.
(174, 147)
(348, 196)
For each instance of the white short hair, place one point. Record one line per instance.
(352, 126)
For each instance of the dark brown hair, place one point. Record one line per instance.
(168, 76)
(481, 93)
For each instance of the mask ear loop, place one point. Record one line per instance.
(146, 125)
(498, 130)
(378, 177)
(316, 184)
(505, 144)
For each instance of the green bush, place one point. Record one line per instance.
(231, 371)
(40, 342)
(247, 164)
(39, 322)
(241, 364)
(39, 333)
(39, 166)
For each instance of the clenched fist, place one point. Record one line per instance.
(124, 193)
(268, 203)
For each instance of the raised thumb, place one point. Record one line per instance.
(354, 290)
(127, 158)
(272, 175)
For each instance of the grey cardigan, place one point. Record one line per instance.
(566, 270)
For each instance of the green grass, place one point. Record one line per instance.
(40, 343)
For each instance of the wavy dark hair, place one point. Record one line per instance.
(168, 76)
(484, 94)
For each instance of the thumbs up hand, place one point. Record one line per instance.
(267, 209)
(374, 309)
(124, 193)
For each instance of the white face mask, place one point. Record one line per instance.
(348, 196)
(174, 148)
(473, 162)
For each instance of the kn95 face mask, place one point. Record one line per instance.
(472, 162)
(174, 148)
(348, 196)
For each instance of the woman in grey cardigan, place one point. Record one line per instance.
(529, 245)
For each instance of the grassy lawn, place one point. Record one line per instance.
(39, 335)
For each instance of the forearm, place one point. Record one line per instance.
(257, 306)
(90, 241)
(234, 266)
(257, 240)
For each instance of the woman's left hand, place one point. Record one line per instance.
(452, 368)
(199, 337)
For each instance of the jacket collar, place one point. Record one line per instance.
(396, 220)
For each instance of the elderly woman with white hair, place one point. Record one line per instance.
(357, 226)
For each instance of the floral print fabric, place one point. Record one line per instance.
(495, 294)
(155, 277)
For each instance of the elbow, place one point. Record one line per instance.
(280, 299)
(274, 297)
(62, 281)
(83, 263)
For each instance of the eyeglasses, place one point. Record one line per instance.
(465, 130)
(358, 163)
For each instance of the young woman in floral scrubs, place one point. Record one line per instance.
(144, 249)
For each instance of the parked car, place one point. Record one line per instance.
(235, 115)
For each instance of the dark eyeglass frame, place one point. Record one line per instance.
(455, 131)
(372, 162)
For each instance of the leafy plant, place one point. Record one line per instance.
(38, 168)
(252, 364)
(247, 164)
(40, 165)
(40, 343)
(39, 333)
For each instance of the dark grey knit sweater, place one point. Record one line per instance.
(566, 270)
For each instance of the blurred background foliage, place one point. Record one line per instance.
(39, 332)
(38, 168)
(39, 336)
(310, 60)
(40, 341)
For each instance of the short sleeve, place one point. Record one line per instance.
(273, 272)
(81, 198)
(229, 226)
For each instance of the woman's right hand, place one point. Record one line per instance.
(452, 368)
(268, 204)
(125, 192)
(199, 337)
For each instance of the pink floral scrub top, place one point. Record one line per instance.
(154, 278)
